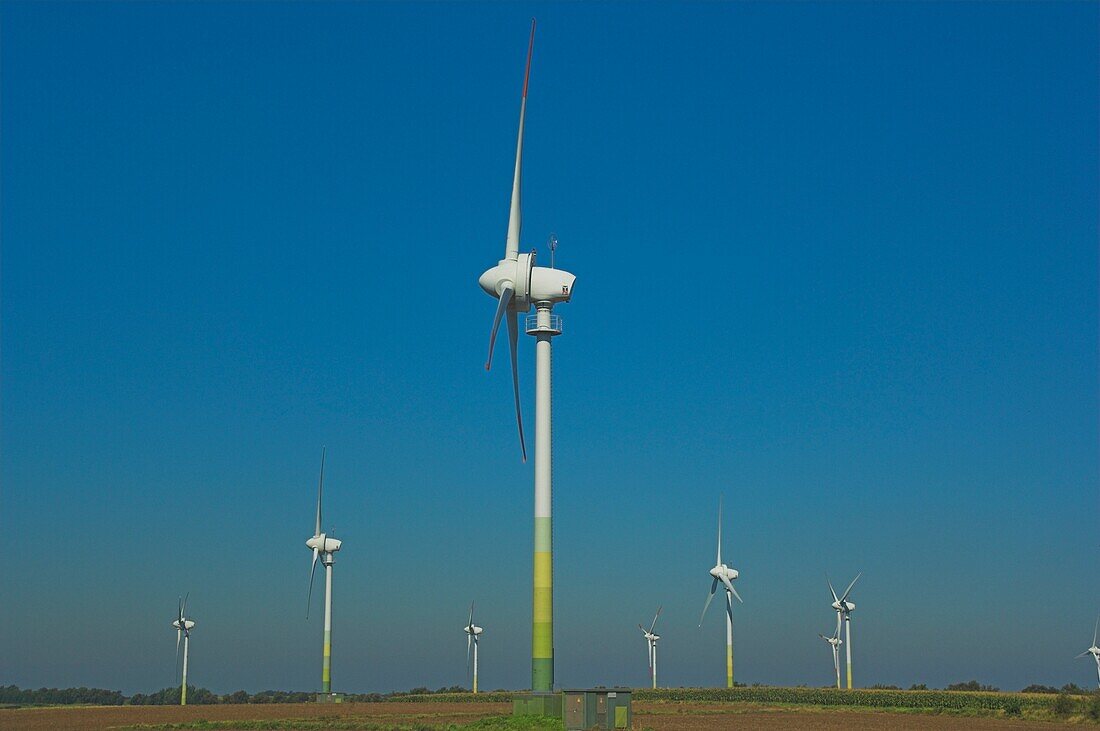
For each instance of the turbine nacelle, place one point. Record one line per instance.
(721, 571)
(473, 630)
(551, 285)
(185, 625)
(323, 544)
(844, 607)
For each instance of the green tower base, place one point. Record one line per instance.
(330, 697)
(537, 704)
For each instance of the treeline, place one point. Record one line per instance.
(975, 687)
(11, 695)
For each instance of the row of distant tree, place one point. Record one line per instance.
(12, 695)
(974, 685)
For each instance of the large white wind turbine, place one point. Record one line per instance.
(651, 641)
(323, 548)
(844, 609)
(518, 284)
(835, 642)
(1094, 651)
(473, 634)
(725, 575)
(183, 627)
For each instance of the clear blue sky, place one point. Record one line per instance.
(837, 262)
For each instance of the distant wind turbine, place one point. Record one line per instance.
(1094, 651)
(473, 634)
(844, 609)
(324, 548)
(183, 630)
(651, 641)
(835, 642)
(725, 575)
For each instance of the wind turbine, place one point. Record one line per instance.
(518, 284)
(725, 575)
(473, 633)
(1094, 651)
(183, 630)
(324, 548)
(651, 641)
(835, 642)
(844, 609)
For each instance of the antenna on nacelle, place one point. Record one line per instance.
(552, 242)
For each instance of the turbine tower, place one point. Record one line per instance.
(183, 629)
(725, 575)
(518, 284)
(651, 641)
(1094, 651)
(473, 633)
(835, 642)
(844, 609)
(324, 548)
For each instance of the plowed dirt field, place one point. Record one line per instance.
(656, 716)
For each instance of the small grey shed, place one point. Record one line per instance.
(602, 708)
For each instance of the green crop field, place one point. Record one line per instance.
(1047, 706)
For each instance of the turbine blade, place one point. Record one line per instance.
(183, 609)
(849, 589)
(730, 587)
(710, 598)
(831, 589)
(1095, 627)
(502, 307)
(654, 624)
(515, 213)
(469, 641)
(312, 572)
(1086, 652)
(320, 487)
(513, 346)
(471, 623)
(718, 561)
(649, 643)
(178, 634)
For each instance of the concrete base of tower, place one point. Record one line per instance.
(330, 697)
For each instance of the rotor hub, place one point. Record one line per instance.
(514, 274)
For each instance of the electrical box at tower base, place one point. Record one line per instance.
(602, 708)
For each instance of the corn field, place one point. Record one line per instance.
(918, 700)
